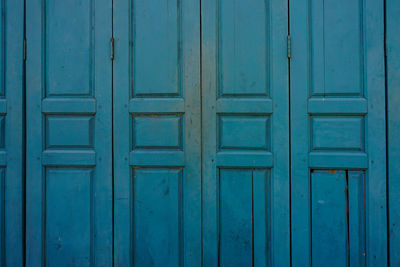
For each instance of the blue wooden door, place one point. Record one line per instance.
(69, 133)
(245, 133)
(338, 159)
(11, 133)
(157, 152)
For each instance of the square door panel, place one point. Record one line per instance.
(64, 131)
(244, 132)
(337, 133)
(157, 131)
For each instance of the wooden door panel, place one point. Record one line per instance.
(338, 124)
(69, 126)
(12, 162)
(245, 133)
(157, 153)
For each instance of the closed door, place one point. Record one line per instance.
(11, 133)
(201, 155)
(69, 141)
(198, 133)
(157, 137)
(245, 133)
(338, 171)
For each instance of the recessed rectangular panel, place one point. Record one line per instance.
(157, 214)
(2, 131)
(328, 215)
(156, 49)
(337, 133)
(336, 47)
(244, 132)
(68, 215)
(69, 47)
(69, 131)
(243, 47)
(261, 217)
(244, 222)
(235, 217)
(157, 131)
(338, 218)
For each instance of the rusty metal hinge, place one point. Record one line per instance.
(24, 49)
(289, 47)
(112, 48)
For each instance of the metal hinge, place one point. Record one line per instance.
(24, 49)
(289, 47)
(112, 48)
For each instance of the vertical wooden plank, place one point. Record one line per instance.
(34, 89)
(12, 131)
(209, 51)
(261, 217)
(2, 235)
(329, 222)
(374, 84)
(103, 180)
(2, 224)
(209, 170)
(122, 12)
(280, 181)
(356, 217)
(190, 47)
(393, 126)
(300, 180)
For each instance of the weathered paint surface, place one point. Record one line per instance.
(393, 126)
(11, 133)
(338, 123)
(69, 140)
(245, 136)
(192, 126)
(157, 153)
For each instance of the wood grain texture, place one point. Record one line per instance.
(69, 140)
(157, 136)
(337, 110)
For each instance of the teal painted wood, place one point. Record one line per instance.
(11, 133)
(337, 217)
(245, 142)
(337, 122)
(69, 144)
(157, 152)
(328, 218)
(393, 100)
